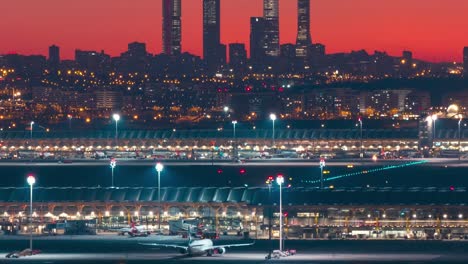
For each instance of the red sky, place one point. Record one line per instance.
(435, 30)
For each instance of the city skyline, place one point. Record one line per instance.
(425, 33)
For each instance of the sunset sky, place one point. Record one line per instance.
(435, 30)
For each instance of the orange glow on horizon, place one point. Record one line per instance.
(435, 30)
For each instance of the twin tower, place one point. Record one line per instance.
(213, 50)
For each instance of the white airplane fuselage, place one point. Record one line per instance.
(200, 247)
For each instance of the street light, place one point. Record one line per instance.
(280, 181)
(434, 118)
(31, 181)
(234, 123)
(69, 121)
(113, 163)
(273, 118)
(322, 165)
(32, 123)
(459, 137)
(159, 168)
(116, 118)
(361, 147)
(269, 182)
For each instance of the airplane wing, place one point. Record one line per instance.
(164, 245)
(231, 245)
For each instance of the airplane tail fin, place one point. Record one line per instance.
(189, 231)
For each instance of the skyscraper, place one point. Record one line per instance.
(257, 39)
(304, 40)
(271, 16)
(237, 56)
(54, 55)
(172, 27)
(465, 62)
(212, 49)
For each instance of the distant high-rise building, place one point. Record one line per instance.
(92, 60)
(237, 56)
(172, 27)
(257, 39)
(137, 49)
(465, 62)
(212, 48)
(54, 55)
(272, 34)
(304, 40)
(288, 51)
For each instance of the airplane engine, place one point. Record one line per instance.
(183, 251)
(221, 251)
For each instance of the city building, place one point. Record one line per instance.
(91, 60)
(465, 62)
(135, 59)
(237, 56)
(108, 100)
(172, 27)
(257, 36)
(54, 56)
(212, 48)
(137, 49)
(304, 39)
(272, 34)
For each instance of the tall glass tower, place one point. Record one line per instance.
(272, 34)
(304, 39)
(212, 49)
(172, 27)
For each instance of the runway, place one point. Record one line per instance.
(246, 163)
(231, 257)
(115, 249)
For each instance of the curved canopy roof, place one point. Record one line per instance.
(280, 134)
(251, 196)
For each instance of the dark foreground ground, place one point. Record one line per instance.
(127, 250)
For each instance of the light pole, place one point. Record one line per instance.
(322, 165)
(269, 181)
(280, 181)
(273, 118)
(113, 163)
(159, 168)
(69, 121)
(459, 137)
(116, 118)
(234, 123)
(361, 154)
(32, 124)
(31, 180)
(434, 119)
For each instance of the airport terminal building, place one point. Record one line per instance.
(308, 212)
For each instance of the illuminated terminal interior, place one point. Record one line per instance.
(308, 212)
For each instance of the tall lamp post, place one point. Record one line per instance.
(116, 118)
(113, 163)
(322, 165)
(31, 128)
(434, 119)
(31, 181)
(273, 118)
(361, 154)
(459, 137)
(269, 182)
(159, 168)
(69, 121)
(234, 123)
(280, 181)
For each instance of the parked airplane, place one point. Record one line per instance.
(134, 231)
(199, 247)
